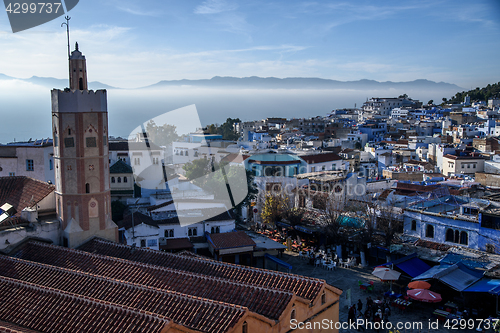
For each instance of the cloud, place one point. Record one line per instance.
(139, 12)
(215, 7)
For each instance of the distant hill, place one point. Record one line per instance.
(50, 82)
(256, 82)
(478, 94)
(301, 83)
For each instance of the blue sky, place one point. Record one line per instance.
(137, 43)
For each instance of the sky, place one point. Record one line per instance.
(132, 44)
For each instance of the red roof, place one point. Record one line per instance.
(49, 310)
(254, 297)
(320, 158)
(229, 240)
(22, 192)
(11, 328)
(177, 244)
(305, 287)
(212, 316)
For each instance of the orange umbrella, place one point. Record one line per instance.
(419, 285)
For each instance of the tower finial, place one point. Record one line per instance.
(76, 46)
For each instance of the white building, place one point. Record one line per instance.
(34, 159)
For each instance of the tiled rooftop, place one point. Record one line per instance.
(53, 311)
(195, 313)
(269, 302)
(229, 240)
(11, 328)
(22, 192)
(304, 287)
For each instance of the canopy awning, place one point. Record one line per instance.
(485, 285)
(303, 229)
(411, 265)
(278, 261)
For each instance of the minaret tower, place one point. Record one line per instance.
(80, 132)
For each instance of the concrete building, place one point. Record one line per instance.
(462, 165)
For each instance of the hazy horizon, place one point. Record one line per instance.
(129, 108)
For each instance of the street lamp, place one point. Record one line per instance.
(133, 231)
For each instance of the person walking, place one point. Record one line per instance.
(360, 305)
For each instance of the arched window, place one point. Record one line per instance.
(429, 232)
(125, 179)
(292, 315)
(323, 298)
(190, 232)
(87, 188)
(80, 84)
(457, 236)
(119, 179)
(171, 233)
(217, 230)
(212, 230)
(464, 238)
(449, 235)
(244, 327)
(112, 179)
(413, 225)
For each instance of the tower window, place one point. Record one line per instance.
(119, 179)
(112, 179)
(91, 142)
(69, 131)
(429, 233)
(87, 188)
(69, 142)
(125, 179)
(80, 83)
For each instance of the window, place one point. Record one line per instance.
(112, 179)
(169, 233)
(12, 174)
(457, 236)
(155, 160)
(449, 235)
(429, 232)
(119, 179)
(212, 230)
(323, 298)
(30, 165)
(323, 168)
(217, 230)
(244, 327)
(292, 315)
(87, 188)
(91, 142)
(464, 238)
(313, 169)
(143, 243)
(104, 140)
(334, 167)
(51, 165)
(413, 225)
(473, 166)
(125, 179)
(192, 232)
(69, 131)
(186, 153)
(152, 242)
(137, 161)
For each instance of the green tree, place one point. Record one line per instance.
(161, 135)
(197, 169)
(430, 102)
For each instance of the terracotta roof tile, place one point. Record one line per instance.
(22, 192)
(11, 328)
(170, 304)
(49, 310)
(215, 288)
(229, 240)
(302, 286)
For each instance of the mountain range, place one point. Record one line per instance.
(258, 83)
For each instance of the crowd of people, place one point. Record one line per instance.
(373, 311)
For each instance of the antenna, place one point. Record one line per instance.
(67, 18)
